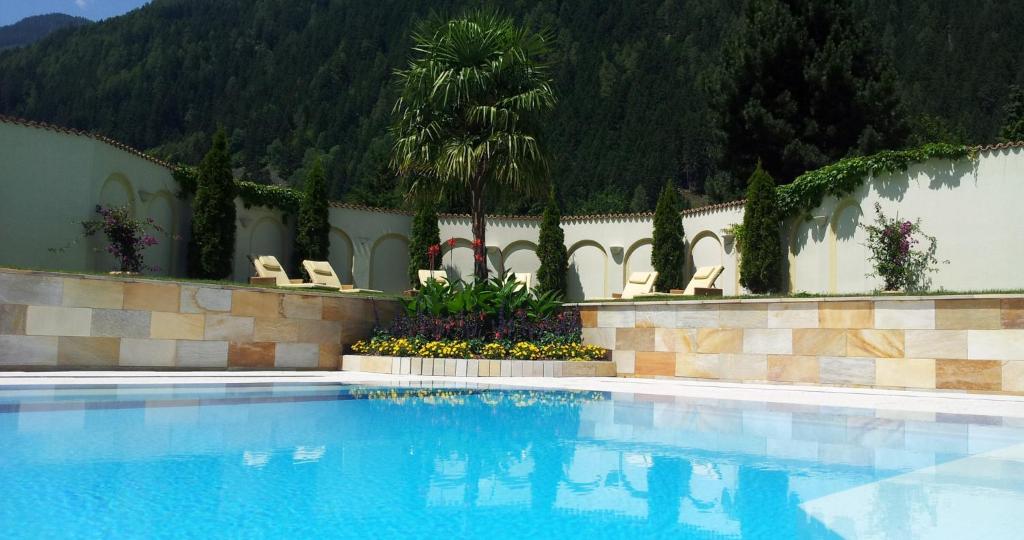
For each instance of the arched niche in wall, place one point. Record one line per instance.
(587, 273)
(160, 208)
(341, 254)
(848, 256)
(705, 250)
(267, 237)
(808, 256)
(117, 190)
(637, 258)
(457, 260)
(521, 257)
(389, 263)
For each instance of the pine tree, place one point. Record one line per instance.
(425, 233)
(668, 254)
(801, 85)
(213, 217)
(312, 236)
(761, 252)
(1013, 124)
(639, 202)
(554, 260)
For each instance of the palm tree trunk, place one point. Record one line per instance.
(479, 231)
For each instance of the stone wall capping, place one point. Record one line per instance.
(803, 299)
(467, 367)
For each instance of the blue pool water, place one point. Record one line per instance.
(337, 461)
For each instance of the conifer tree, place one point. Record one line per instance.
(554, 260)
(1013, 123)
(425, 233)
(761, 252)
(669, 251)
(213, 216)
(312, 237)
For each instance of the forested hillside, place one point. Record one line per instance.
(290, 79)
(32, 29)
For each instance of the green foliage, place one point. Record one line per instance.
(840, 178)
(668, 255)
(639, 201)
(213, 215)
(500, 297)
(467, 117)
(893, 254)
(425, 234)
(554, 261)
(1013, 121)
(252, 194)
(312, 235)
(801, 85)
(761, 251)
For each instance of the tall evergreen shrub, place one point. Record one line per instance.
(312, 235)
(761, 249)
(554, 260)
(425, 233)
(669, 252)
(213, 216)
(1013, 123)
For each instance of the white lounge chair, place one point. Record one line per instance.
(439, 276)
(267, 266)
(322, 273)
(525, 278)
(704, 278)
(639, 284)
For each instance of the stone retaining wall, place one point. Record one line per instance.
(59, 321)
(967, 343)
(463, 367)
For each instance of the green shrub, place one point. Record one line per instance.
(761, 249)
(554, 261)
(312, 236)
(668, 254)
(213, 217)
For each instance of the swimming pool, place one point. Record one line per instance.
(350, 461)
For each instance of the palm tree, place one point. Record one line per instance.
(467, 113)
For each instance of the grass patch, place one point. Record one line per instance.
(873, 294)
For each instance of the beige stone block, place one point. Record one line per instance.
(121, 323)
(698, 366)
(1012, 312)
(1013, 376)
(28, 350)
(320, 331)
(984, 375)
(697, 316)
(352, 362)
(968, 314)
(484, 370)
(496, 368)
(719, 340)
(261, 305)
(851, 314)
(655, 364)
(147, 352)
(616, 317)
(675, 339)
(655, 316)
(744, 367)
(792, 315)
(840, 370)
(88, 351)
(601, 337)
(905, 314)
(228, 328)
(875, 343)
(300, 306)
(634, 339)
(768, 341)
(280, 330)
(93, 293)
(905, 373)
(204, 299)
(177, 326)
(251, 354)
(794, 369)
(625, 361)
(994, 344)
(346, 309)
(936, 343)
(201, 354)
(743, 315)
(588, 317)
(330, 356)
(12, 319)
(152, 297)
(819, 342)
(28, 289)
(58, 321)
(297, 355)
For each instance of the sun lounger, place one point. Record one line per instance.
(321, 273)
(639, 284)
(439, 276)
(525, 278)
(267, 266)
(703, 278)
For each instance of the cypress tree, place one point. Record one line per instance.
(425, 233)
(312, 235)
(554, 260)
(1013, 123)
(213, 218)
(761, 252)
(669, 251)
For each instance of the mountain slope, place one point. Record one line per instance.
(291, 79)
(31, 29)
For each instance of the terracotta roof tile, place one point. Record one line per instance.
(999, 146)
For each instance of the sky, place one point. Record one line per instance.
(12, 11)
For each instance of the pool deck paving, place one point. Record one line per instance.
(898, 400)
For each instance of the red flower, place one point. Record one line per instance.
(451, 242)
(477, 243)
(434, 250)
(478, 258)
